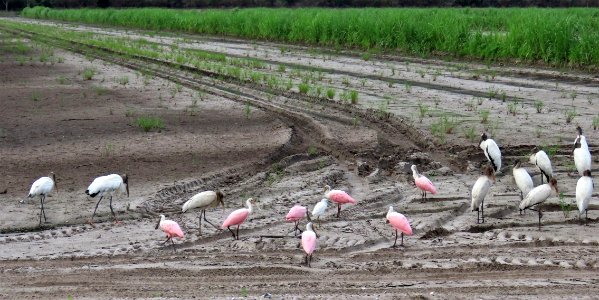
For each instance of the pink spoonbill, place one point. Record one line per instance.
(339, 197)
(399, 222)
(295, 215)
(237, 217)
(171, 229)
(309, 242)
(423, 183)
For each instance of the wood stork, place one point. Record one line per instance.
(171, 229)
(583, 139)
(584, 191)
(42, 187)
(108, 186)
(309, 242)
(541, 160)
(491, 151)
(319, 209)
(339, 197)
(522, 178)
(237, 217)
(203, 201)
(479, 192)
(423, 183)
(582, 157)
(399, 222)
(539, 195)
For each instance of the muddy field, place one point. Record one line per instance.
(281, 149)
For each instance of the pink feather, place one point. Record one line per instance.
(309, 241)
(236, 218)
(171, 228)
(425, 184)
(341, 197)
(296, 213)
(400, 222)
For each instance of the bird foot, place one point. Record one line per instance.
(117, 222)
(91, 222)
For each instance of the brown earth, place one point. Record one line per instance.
(54, 120)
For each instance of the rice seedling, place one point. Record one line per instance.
(470, 133)
(130, 112)
(247, 109)
(565, 206)
(355, 121)
(570, 114)
(353, 96)
(484, 116)
(383, 110)
(422, 110)
(124, 80)
(408, 87)
(150, 123)
(100, 90)
(312, 150)
(480, 100)
(512, 108)
(539, 106)
(35, 96)
(88, 73)
(595, 122)
(61, 79)
(304, 88)
(331, 93)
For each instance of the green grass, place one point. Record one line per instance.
(553, 36)
(150, 123)
(88, 74)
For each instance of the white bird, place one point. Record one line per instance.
(108, 186)
(319, 209)
(479, 192)
(523, 179)
(43, 187)
(203, 201)
(584, 191)
(582, 157)
(491, 151)
(539, 195)
(541, 160)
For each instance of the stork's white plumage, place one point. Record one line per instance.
(203, 201)
(320, 208)
(539, 195)
(523, 179)
(583, 139)
(491, 151)
(479, 192)
(582, 157)
(584, 191)
(42, 187)
(108, 185)
(541, 160)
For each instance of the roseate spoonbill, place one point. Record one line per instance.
(399, 222)
(203, 201)
(479, 192)
(491, 151)
(541, 160)
(309, 243)
(584, 191)
(523, 179)
(339, 197)
(423, 183)
(582, 157)
(538, 195)
(295, 215)
(108, 186)
(319, 209)
(237, 217)
(42, 187)
(171, 229)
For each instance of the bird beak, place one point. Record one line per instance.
(316, 233)
(158, 224)
(54, 179)
(127, 187)
(494, 177)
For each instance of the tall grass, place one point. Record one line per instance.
(556, 36)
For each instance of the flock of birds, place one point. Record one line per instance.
(530, 196)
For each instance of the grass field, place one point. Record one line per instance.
(553, 36)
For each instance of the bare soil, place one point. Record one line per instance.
(282, 152)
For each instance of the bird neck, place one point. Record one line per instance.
(309, 227)
(249, 204)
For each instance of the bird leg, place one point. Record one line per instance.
(173, 243)
(92, 219)
(112, 211)
(306, 260)
(233, 233)
(200, 222)
(540, 215)
(395, 243)
(401, 239)
(310, 261)
(482, 209)
(41, 209)
(338, 209)
(586, 216)
(205, 219)
(167, 238)
(478, 216)
(237, 237)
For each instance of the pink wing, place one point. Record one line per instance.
(172, 229)
(341, 197)
(400, 222)
(309, 241)
(235, 218)
(426, 185)
(296, 213)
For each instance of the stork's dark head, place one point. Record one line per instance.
(489, 172)
(579, 130)
(553, 184)
(517, 164)
(483, 137)
(220, 198)
(586, 173)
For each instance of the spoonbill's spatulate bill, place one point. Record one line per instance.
(491, 151)
(202, 201)
(108, 185)
(538, 195)
(479, 192)
(399, 223)
(237, 217)
(339, 197)
(42, 187)
(423, 183)
(171, 229)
